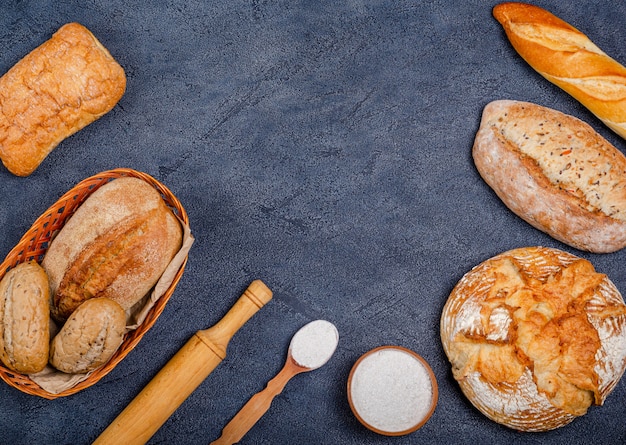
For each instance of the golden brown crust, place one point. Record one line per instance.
(569, 59)
(555, 172)
(116, 245)
(24, 318)
(57, 89)
(89, 338)
(535, 336)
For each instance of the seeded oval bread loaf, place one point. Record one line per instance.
(25, 318)
(535, 336)
(555, 172)
(59, 88)
(116, 245)
(89, 338)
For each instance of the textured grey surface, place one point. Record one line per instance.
(323, 147)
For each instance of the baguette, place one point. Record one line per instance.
(116, 245)
(569, 59)
(555, 172)
(535, 337)
(25, 318)
(57, 89)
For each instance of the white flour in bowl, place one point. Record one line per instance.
(391, 390)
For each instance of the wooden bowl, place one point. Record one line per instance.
(392, 390)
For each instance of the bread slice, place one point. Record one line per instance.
(555, 172)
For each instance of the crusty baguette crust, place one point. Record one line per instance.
(89, 338)
(57, 89)
(116, 245)
(555, 172)
(569, 59)
(25, 318)
(535, 336)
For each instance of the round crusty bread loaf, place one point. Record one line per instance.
(535, 337)
(25, 318)
(116, 245)
(90, 337)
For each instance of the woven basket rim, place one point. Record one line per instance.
(34, 243)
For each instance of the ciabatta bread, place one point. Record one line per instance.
(25, 318)
(555, 172)
(89, 338)
(57, 89)
(535, 337)
(569, 59)
(116, 245)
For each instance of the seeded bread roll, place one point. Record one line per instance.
(60, 87)
(89, 338)
(555, 172)
(535, 336)
(116, 245)
(25, 318)
(569, 59)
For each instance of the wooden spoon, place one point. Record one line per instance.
(310, 348)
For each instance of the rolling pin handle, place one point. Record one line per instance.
(218, 336)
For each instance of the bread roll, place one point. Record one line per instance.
(25, 318)
(535, 337)
(567, 58)
(60, 87)
(116, 245)
(89, 338)
(555, 172)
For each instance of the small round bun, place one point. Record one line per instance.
(535, 337)
(90, 337)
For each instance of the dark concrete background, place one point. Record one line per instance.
(324, 147)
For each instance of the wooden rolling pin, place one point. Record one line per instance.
(182, 374)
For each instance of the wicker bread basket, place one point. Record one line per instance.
(34, 244)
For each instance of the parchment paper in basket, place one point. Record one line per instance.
(55, 381)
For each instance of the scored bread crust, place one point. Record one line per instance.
(535, 336)
(90, 337)
(25, 318)
(569, 59)
(116, 245)
(555, 172)
(57, 89)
